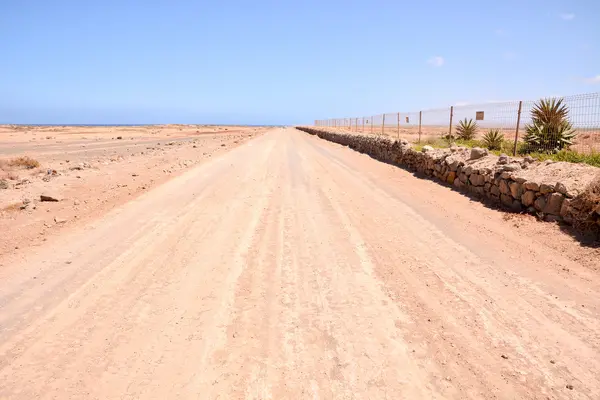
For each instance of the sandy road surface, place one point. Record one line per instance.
(291, 267)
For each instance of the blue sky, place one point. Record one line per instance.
(278, 62)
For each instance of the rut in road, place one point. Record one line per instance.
(291, 267)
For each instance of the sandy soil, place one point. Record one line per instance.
(291, 267)
(91, 171)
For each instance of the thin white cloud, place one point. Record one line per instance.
(567, 16)
(595, 80)
(500, 32)
(436, 61)
(461, 104)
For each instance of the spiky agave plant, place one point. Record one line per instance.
(493, 139)
(466, 129)
(550, 129)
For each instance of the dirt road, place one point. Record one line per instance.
(290, 267)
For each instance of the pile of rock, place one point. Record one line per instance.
(547, 189)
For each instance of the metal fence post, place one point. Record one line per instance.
(383, 125)
(517, 130)
(398, 125)
(363, 125)
(451, 115)
(420, 115)
(371, 124)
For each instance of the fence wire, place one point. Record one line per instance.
(564, 123)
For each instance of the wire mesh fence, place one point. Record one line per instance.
(543, 125)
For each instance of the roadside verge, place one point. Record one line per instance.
(554, 191)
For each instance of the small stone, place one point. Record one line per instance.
(511, 167)
(545, 188)
(515, 190)
(528, 198)
(506, 200)
(531, 186)
(504, 356)
(506, 175)
(495, 190)
(552, 362)
(119, 137)
(47, 197)
(560, 188)
(59, 220)
(451, 177)
(540, 203)
(134, 175)
(426, 149)
(503, 159)
(554, 204)
(477, 180)
(504, 188)
(478, 152)
(529, 159)
(76, 202)
(570, 387)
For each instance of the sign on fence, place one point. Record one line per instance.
(479, 116)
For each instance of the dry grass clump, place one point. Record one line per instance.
(23, 162)
(12, 207)
(587, 208)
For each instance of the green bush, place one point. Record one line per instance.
(550, 130)
(466, 129)
(493, 139)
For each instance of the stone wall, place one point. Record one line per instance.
(547, 189)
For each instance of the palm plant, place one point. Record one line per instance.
(550, 129)
(466, 129)
(493, 139)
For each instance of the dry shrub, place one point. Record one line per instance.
(586, 208)
(24, 162)
(12, 207)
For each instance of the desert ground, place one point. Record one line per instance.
(93, 169)
(265, 263)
